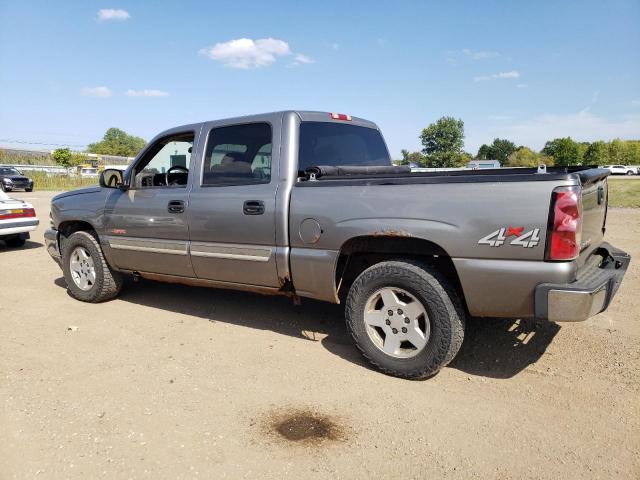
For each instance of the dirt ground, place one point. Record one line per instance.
(176, 382)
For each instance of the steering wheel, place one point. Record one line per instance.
(175, 167)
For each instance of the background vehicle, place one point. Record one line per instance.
(621, 170)
(12, 179)
(307, 204)
(17, 219)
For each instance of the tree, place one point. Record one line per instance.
(412, 158)
(525, 157)
(62, 156)
(564, 151)
(118, 142)
(499, 150)
(597, 154)
(484, 152)
(442, 143)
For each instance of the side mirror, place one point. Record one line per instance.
(112, 178)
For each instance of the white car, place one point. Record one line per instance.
(621, 170)
(17, 219)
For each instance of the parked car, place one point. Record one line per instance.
(12, 179)
(308, 204)
(17, 219)
(621, 170)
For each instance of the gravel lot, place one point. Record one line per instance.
(175, 382)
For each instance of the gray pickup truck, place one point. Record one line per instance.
(308, 204)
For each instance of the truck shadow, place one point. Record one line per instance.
(29, 244)
(495, 348)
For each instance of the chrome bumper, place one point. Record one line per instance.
(51, 242)
(591, 293)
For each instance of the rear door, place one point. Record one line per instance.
(146, 226)
(232, 206)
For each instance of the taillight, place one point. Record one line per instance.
(565, 224)
(17, 213)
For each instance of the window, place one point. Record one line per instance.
(339, 144)
(166, 164)
(238, 155)
(9, 171)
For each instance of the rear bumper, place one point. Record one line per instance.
(12, 228)
(592, 292)
(51, 242)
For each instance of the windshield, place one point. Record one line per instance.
(9, 171)
(339, 144)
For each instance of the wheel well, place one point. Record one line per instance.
(68, 228)
(72, 226)
(359, 253)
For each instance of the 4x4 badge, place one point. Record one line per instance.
(527, 239)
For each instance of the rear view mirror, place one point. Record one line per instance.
(111, 178)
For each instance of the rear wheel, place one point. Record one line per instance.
(28, 189)
(406, 318)
(629, 172)
(89, 278)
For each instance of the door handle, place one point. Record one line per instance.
(176, 206)
(253, 207)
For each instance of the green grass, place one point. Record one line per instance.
(624, 192)
(42, 181)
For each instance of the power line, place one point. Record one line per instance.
(25, 142)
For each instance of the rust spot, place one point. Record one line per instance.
(304, 426)
(392, 233)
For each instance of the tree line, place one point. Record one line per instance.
(114, 142)
(443, 143)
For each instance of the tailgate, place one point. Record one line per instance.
(594, 210)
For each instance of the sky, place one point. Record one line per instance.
(525, 71)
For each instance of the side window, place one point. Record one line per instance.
(238, 155)
(166, 164)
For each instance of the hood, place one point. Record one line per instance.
(15, 177)
(80, 191)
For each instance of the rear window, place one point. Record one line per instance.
(339, 144)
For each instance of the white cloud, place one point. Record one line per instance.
(581, 126)
(98, 92)
(146, 93)
(499, 75)
(302, 59)
(113, 14)
(479, 55)
(246, 53)
(522, 85)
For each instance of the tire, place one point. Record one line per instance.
(6, 189)
(443, 318)
(629, 172)
(15, 242)
(28, 189)
(104, 284)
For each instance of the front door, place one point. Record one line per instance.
(146, 226)
(232, 207)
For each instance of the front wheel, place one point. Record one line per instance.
(28, 189)
(89, 278)
(405, 318)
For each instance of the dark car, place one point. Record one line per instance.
(11, 179)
